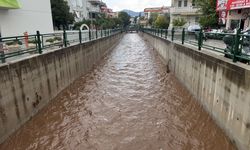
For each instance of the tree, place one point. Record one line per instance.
(152, 18)
(60, 14)
(209, 16)
(179, 22)
(161, 22)
(125, 18)
(101, 22)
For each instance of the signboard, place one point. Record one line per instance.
(12, 4)
(222, 17)
(221, 5)
(238, 4)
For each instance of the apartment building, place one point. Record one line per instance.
(79, 9)
(158, 10)
(186, 9)
(85, 9)
(94, 8)
(19, 16)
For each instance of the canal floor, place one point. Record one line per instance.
(127, 102)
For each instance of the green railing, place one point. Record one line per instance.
(22, 46)
(235, 46)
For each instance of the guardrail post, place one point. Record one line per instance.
(183, 36)
(161, 32)
(89, 35)
(101, 33)
(200, 38)
(39, 44)
(172, 34)
(236, 45)
(80, 36)
(64, 38)
(2, 56)
(166, 33)
(96, 34)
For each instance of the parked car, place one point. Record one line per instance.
(216, 34)
(194, 28)
(229, 40)
(195, 31)
(132, 28)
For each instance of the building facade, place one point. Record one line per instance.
(159, 10)
(86, 9)
(29, 16)
(186, 9)
(79, 9)
(234, 13)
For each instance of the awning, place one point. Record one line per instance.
(9, 4)
(238, 4)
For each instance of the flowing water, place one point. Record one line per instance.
(127, 102)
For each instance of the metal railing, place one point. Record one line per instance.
(235, 46)
(22, 46)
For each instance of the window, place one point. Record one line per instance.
(193, 3)
(197, 19)
(179, 3)
(185, 3)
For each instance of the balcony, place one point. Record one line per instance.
(97, 2)
(94, 9)
(186, 11)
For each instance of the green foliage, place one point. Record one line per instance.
(162, 22)
(14, 42)
(152, 18)
(60, 13)
(32, 41)
(100, 23)
(179, 22)
(51, 40)
(125, 18)
(106, 23)
(58, 38)
(209, 16)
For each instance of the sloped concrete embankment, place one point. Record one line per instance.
(221, 86)
(29, 84)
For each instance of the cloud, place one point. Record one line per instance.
(135, 5)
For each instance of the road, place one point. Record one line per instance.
(127, 102)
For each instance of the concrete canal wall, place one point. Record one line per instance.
(29, 84)
(221, 86)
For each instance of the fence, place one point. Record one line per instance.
(23, 46)
(235, 46)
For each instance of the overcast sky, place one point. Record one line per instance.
(135, 5)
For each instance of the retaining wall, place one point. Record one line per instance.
(221, 86)
(29, 84)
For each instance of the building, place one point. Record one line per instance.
(94, 8)
(25, 16)
(185, 9)
(108, 12)
(86, 9)
(158, 10)
(234, 13)
(114, 14)
(79, 9)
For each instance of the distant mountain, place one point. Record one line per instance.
(133, 13)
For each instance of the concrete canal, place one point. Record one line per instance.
(127, 102)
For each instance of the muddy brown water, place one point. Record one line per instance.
(127, 102)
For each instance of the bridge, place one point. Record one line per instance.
(125, 91)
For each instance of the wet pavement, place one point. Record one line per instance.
(128, 102)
